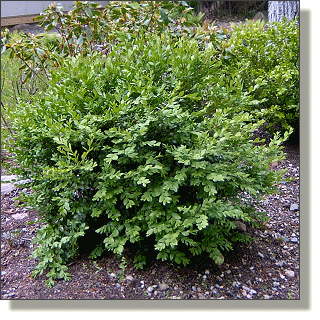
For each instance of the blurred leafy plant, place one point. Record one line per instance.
(267, 57)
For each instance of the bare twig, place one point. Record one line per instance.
(4, 120)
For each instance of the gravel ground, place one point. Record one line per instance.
(265, 269)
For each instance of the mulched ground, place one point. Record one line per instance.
(265, 269)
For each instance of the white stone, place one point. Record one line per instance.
(129, 278)
(289, 273)
(19, 216)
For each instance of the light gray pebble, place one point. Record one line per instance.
(3, 273)
(276, 284)
(150, 289)
(163, 287)
(294, 207)
(112, 275)
(294, 240)
(289, 273)
(129, 278)
(280, 263)
(260, 255)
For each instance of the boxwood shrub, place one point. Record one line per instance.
(141, 147)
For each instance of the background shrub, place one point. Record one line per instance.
(123, 146)
(267, 57)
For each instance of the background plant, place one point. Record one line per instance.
(267, 57)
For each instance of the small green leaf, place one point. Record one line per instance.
(88, 12)
(80, 40)
(164, 17)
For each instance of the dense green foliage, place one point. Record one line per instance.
(140, 134)
(268, 63)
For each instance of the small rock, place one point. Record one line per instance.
(129, 278)
(294, 240)
(260, 255)
(163, 287)
(118, 285)
(265, 296)
(194, 288)
(150, 289)
(204, 277)
(207, 272)
(289, 273)
(245, 288)
(6, 188)
(276, 284)
(3, 273)
(294, 207)
(280, 263)
(201, 296)
(240, 226)
(19, 216)
(112, 275)
(285, 239)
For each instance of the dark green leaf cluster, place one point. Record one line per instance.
(267, 60)
(142, 146)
